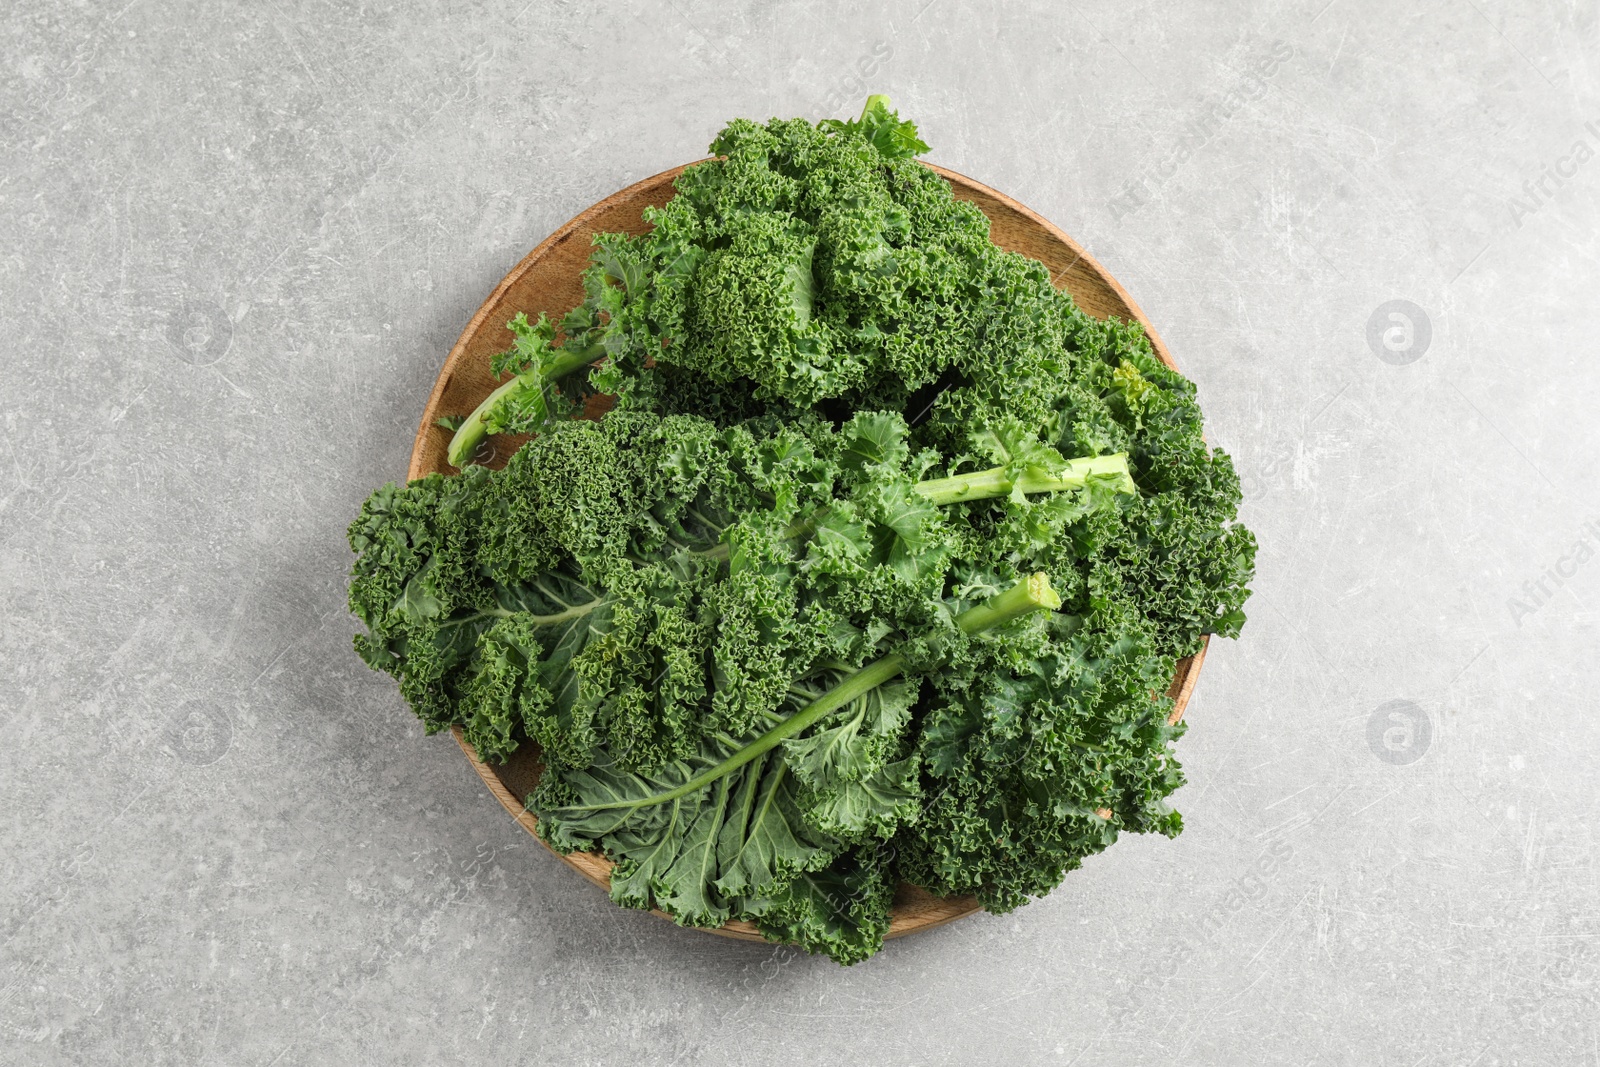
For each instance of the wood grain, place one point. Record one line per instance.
(548, 280)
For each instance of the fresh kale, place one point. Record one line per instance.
(727, 833)
(878, 571)
(629, 581)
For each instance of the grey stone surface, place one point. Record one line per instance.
(236, 242)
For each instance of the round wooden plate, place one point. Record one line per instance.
(549, 280)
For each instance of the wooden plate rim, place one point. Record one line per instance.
(914, 909)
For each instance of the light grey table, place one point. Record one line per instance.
(236, 242)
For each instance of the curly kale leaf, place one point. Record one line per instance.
(843, 419)
(1040, 762)
(858, 787)
(841, 911)
(725, 833)
(883, 129)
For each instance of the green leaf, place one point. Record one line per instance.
(842, 416)
(873, 439)
(841, 911)
(686, 890)
(883, 129)
(738, 838)
(417, 599)
(764, 839)
(856, 789)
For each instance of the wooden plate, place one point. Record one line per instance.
(548, 280)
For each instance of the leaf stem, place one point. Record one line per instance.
(476, 427)
(1031, 594)
(981, 485)
(986, 485)
(875, 98)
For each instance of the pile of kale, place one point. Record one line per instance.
(877, 572)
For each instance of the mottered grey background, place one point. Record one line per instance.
(236, 242)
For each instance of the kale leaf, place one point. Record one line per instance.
(749, 617)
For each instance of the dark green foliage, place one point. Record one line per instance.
(842, 416)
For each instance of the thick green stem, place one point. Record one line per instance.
(986, 485)
(983, 485)
(875, 98)
(476, 427)
(1031, 594)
